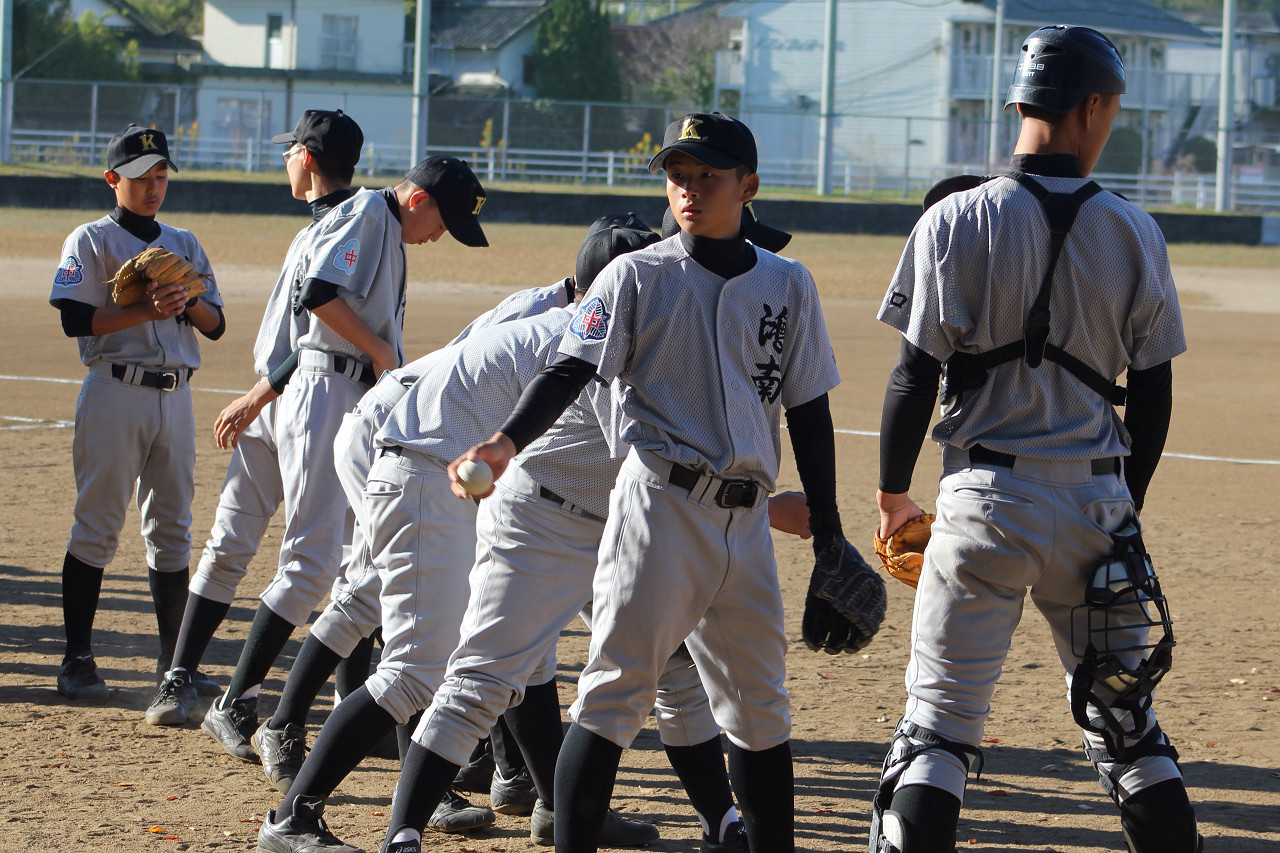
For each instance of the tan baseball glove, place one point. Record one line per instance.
(902, 554)
(129, 284)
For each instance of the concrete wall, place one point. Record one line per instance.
(582, 209)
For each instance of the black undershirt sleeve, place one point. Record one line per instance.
(280, 376)
(218, 330)
(77, 318)
(317, 292)
(546, 398)
(814, 444)
(908, 405)
(1146, 416)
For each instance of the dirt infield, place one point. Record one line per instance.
(101, 779)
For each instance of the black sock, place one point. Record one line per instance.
(266, 640)
(507, 757)
(311, 669)
(765, 785)
(1160, 818)
(424, 779)
(353, 671)
(535, 727)
(701, 771)
(169, 595)
(931, 815)
(200, 619)
(585, 775)
(81, 586)
(404, 736)
(346, 738)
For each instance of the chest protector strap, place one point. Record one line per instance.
(966, 371)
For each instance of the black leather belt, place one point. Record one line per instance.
(986, 456)
(549, 495)
(392, 450)
(164, 380)
(730, 494)
(366, 376)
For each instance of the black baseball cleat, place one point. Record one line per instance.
(456, 814)
(282, 752)
(302, 832)
(616, 832)
(514, 796)
(233, 726)
(78, 679)
(735, 840)
(174, 699)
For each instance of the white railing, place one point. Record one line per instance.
(609, 168)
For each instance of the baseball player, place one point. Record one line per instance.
(1029, 316)
(253, 488)
(134, 420)
(710, 338)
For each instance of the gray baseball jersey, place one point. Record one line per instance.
(1113, 305)
(356, 246)
(91, 255)
(681, 340)
(966, 282)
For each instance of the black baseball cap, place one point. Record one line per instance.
(607, 238)
(720, 141)
(457, 193)
(331, 133)
(134, 150)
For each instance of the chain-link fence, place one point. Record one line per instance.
(222, 125)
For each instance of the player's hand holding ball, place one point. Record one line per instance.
(471, 475)
(475, 476)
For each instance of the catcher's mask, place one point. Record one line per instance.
(1113, 632)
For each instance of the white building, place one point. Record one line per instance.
(913, 80)
(268, 60)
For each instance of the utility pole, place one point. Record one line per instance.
(421, 82)
(1226, 103)
(827, 100)
(997, 105)
(6, 79)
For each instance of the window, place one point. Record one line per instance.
(242, 118)
(338, 44)
(275, 41)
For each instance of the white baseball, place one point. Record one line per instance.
(475, 476)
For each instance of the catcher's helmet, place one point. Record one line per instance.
(1061, 66)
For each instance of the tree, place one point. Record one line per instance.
(48, 43)
(184, 16)
(573, 57)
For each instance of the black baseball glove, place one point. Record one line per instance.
(846, 600)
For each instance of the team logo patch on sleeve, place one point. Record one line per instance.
(346, 255)
(71, 272)
(591, 323)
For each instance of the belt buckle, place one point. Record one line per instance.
(736, 493)
(168, 381)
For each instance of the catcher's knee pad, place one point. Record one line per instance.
(889, 826)
(923, 821)
(1160, 819)
(1114, 764)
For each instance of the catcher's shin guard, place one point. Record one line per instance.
(916, 818)
(1160, 819)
